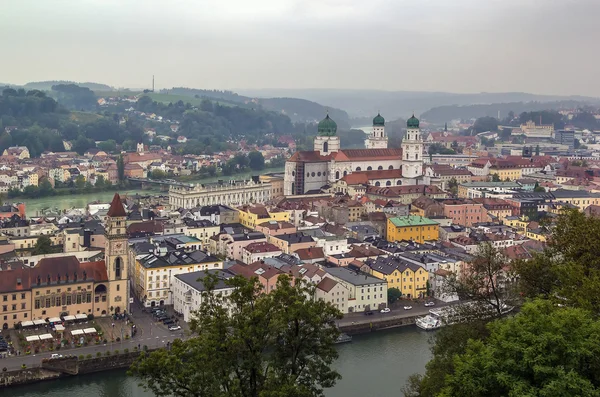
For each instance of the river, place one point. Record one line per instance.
(373, 365)
(33, 206)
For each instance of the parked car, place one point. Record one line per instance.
(428, 304)
(368, 313)
(385, 310)
(168, 322)
(174, 328)
(55, 355)
(407, 307)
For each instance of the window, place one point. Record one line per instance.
(4, 308)
(37, 304)
(5, 298)
(14, 297)
(22, 306)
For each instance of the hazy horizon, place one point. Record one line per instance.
(463, 46)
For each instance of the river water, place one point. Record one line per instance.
(34, 206)
(372, 365)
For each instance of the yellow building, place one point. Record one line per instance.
(506, 173)
(250, 216)
(412, 227)
(276, 184)
(408, 278)
(519, 224)
(203, 230)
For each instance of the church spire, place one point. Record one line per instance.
(116, 207)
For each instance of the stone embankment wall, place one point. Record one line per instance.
(68, 366)
(364, 326)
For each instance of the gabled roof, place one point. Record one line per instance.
(368, 154)
(327, 284)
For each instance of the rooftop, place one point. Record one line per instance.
(412, 220)
(353, 277)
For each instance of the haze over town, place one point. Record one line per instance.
(543, 47)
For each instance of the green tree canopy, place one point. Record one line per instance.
(393, 295)
(256, 160)
(543, 351)
(484, 124)
(42, 246)
(249, 344)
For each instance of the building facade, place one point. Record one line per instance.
(225, 193)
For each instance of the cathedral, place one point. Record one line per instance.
(308, 172)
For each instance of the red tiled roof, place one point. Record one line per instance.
(392, 191)
(312, 253)
(116, 207)
(368, 154)
(364, 177)
(308, 156)
(259, 247)
(327, 284)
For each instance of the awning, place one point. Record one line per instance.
(46, 336)
(39, 322)
(26, 323)
(59, 327)
(90, 330)
(69, 318)
(55, 320)
(81, 316)
(32, 338)
(77, 332)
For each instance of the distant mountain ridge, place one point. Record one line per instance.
(394, 104)
(297, 109)
(47, 85)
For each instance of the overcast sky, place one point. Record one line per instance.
(539, 46)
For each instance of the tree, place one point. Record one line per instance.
(495, 178)
(158, 174)
(568, 271)
(487, 281)
(484, 124)
(249, 343)
(542, 351)
(453, 186)
(256, 160)
(121, 168)
(42, 246)
(80, 182)
(393, 295)
(538, 188)
(108, 146)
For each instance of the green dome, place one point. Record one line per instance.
(327, 127)
(378, 120)
(413, 122)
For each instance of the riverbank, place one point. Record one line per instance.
(375, 364)
(33, 207)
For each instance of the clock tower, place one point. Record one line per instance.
(116, 256)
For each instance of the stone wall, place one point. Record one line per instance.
(105, 363)
(25, 376)
(365, 326)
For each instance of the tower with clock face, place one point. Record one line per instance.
(116, 257)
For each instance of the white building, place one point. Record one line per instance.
(226, 193)
(307, 172)
(377, 139)
(187, 290)
(334, 292)
(365, 292)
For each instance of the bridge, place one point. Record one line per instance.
(164, 183)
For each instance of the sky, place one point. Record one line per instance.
(537, 46)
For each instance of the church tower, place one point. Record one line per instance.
(327, 141)
(377, 139)
(412, 152)
(116, 257)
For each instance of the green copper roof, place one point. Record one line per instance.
(413, 122)
(378, 120)
(412, 220)
(327, 127)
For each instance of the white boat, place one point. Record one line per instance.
(428, 322)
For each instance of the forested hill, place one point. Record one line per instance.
(443, 114)
(47, 85)
(298, 110)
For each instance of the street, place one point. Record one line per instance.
(397, 311)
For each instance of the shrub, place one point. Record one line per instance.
(27, 352)
(108, 353)
(118, 339)
(116, 352)
(135, 348)
(126, 351)
(23, 366)
(57, 347)
(126, 336)
(88, 356)
(104, 341)
(90, 316)
(81, 356)
(98, 354)
(4, 369)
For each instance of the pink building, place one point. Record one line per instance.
(465, 212)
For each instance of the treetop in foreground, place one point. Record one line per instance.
(249, 344)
